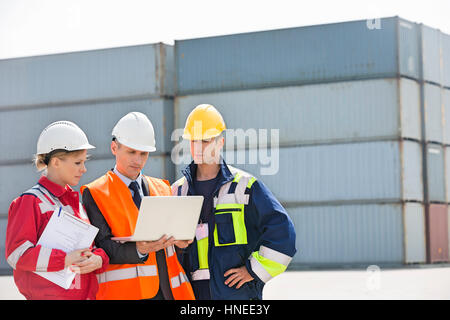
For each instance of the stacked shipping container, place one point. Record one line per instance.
(363, 165)
(434, 47)
(94, 89)
(361, 127)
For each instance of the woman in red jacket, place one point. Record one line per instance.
(61, 152)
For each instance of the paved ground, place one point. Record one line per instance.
(391, 284)
(426, 282)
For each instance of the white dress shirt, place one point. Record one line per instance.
(127, 181)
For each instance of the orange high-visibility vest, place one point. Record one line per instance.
(133, 281)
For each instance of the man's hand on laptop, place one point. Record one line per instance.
(183, 243)
(144, 247)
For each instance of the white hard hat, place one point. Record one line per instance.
(135, 131)
(64, 135)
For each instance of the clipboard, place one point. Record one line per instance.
(67, 233)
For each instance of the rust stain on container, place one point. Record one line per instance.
(438, 233)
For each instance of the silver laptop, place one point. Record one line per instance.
(175, 216)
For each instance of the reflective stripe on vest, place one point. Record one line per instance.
(200, 274)
(201, 234)
(14, 257)
(43, 195)
(229, 208)
(244, 181)
(170, 251)
(178, 280)
(128, 273)
(46, 205)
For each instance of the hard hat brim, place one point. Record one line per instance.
(137, 146)
(212, 134)
(83, 147)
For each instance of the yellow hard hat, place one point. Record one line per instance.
(204, 122)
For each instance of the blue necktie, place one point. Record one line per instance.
(136, 197)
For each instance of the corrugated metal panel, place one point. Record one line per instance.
(446, 59)
(18, 178)
(372, 171)
(4, 266)
(438, 233)
(408, 48)
(446, 114)
(20, 129)
(410, 121)
(415, 236)
(88, 75)
(436, 173)
(433, 113)
(356, 234)
(431, 54)
(330, 52)
(165, 67)
(322, 113)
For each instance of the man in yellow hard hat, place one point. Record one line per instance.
(244, 236)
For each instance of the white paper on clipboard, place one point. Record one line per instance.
(67, 233)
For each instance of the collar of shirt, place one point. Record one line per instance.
(66, 195)
(54, 188)
(127, 180)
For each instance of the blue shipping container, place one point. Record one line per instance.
(359, 234)
(446, 59)
(347, 111)
(97, 121)
(135, 71)
(331, 52)
(436, 173)
(382, 171)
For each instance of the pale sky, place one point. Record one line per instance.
(34, 27)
